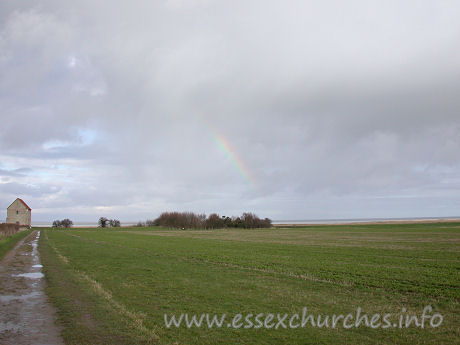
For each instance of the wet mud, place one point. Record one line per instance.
(26, 315)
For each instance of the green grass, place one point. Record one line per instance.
(114, 286)
(7, 243)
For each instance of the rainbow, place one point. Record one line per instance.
(224, 145)
(237, 162)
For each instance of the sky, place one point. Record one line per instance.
(289, 109)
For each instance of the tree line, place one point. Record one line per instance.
(190, 220)
(186, 220)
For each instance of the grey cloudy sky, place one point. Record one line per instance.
(290, 109)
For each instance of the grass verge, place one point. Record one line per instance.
(8, 243)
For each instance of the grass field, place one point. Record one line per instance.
(114, 286)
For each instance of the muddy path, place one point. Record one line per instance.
(26, 315)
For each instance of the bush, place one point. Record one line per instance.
(149, 222)
(189, 220)
(105, 222)
(214, 221)
(114, 223)
(65, 223)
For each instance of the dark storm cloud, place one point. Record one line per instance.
(334, 109)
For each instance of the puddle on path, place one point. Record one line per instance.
(26, 315)
(7, 299)
(31, 275)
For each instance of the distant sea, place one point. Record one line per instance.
(359, 220)
(279, 222)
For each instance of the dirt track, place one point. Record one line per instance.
(26, 315)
